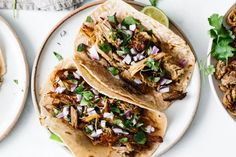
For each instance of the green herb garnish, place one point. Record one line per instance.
(138, 125)
(153, 2)
(105, 47)
(129, 20)
(153, 64)
(222, 39)
(112, 19)
(84, 102)
(79, 89)
(88, 95)
(89, 19)
(119, 123)
(140, 137)
(16, 81)
(115, 109)
(113, 70)
(58, 56)
(81, 47)
(55, 138)
(206, 70)
(87, 130)
(123, 140)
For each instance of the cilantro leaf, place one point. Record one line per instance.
(153, 2)
(113, 70)
(105, 47)
(89, 19)
(206, 70)
(16, 81)
(58, 56)
(81, 47)
(79, 89)
(129, 20)
(112, 19)
(88, 95)
(140, 137)
(55, 138)
(123, 140)
(222, 39)
(153, 64)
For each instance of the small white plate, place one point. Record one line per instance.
(180, 114)
(12, 95)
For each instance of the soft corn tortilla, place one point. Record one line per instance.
(76, 140)
(2, 67)
(170, 42)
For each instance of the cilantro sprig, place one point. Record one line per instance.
(222, 39)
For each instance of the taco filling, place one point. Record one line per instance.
(131, 52)
(105, 121)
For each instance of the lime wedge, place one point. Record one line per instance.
(156, 14)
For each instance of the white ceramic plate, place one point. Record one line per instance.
(180, 114)
(12, 95)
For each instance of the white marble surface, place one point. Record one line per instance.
(212, 132)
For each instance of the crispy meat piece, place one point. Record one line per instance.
(74, 117)
(173, 95)
(229, 100)
(174, 70)
(140, 41)
(229, 78)
(221, 69)
(231, 18)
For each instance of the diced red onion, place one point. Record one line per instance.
(77, 74)
(128, 114)
(103, 123)
(165, 81)
(93, 53)
(134, 121)
(133, 51)
(141, 57)
(96, 133)
(66, 111)
(60, 115)
(149, 129)
(108, 115)
(155, 50)
(73, 87)
(127, 59)
(132, 27)
(119, 131)
(135, 58)
(60, 90)
(165, 89)
(129, 32)
(95, 91)
(91, 111)
(183, 63)
(117, 77)
(80, 109)
(137, 81)
(78, 97)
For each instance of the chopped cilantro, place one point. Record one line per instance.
(81, 47)
(58, 56)
(113, 70)
(105, 47)
(138, 125)
(119, 123)
(206, 70)
(153, 2)
(140, 137)
(88, 95)
(55, 138)
(112, 19)
(79, 89)
(153, 64)
(87, 130)
(123, 140)
(115, 109)
(16, 81)
(129, 20)
(89, 19)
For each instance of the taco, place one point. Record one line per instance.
(119, 45)
(2, 67)
(92, 124)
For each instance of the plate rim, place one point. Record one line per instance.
(27, 83)
(84, 7)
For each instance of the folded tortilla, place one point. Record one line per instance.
(165, 62)
(74, 138)
(2, 67)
